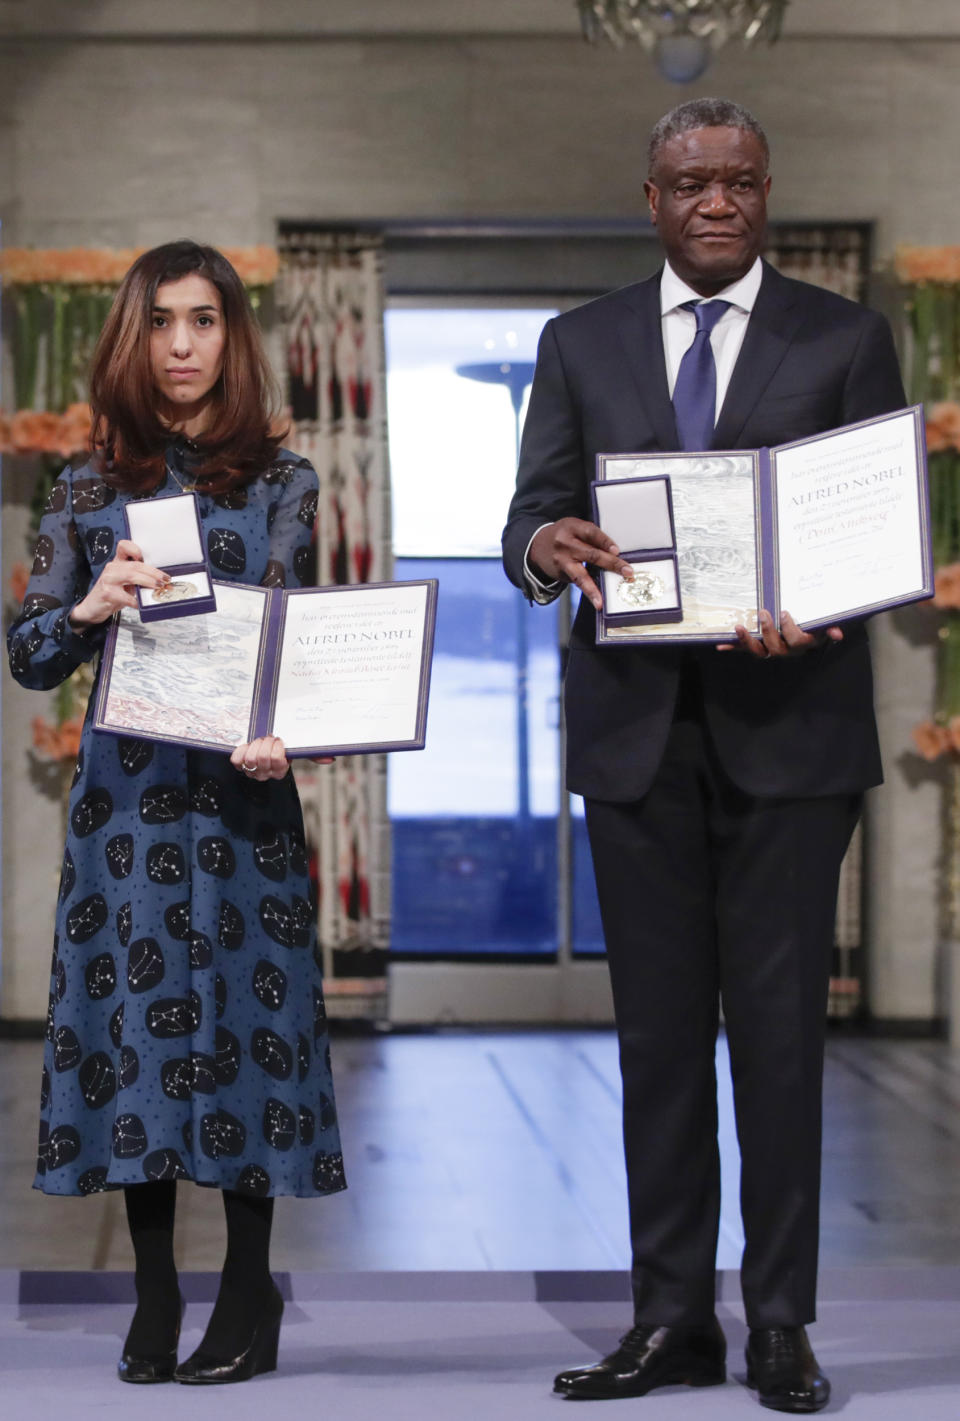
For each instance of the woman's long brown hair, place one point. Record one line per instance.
(129, 437)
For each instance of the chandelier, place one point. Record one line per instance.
(681, 35)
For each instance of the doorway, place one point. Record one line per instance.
(494, 913)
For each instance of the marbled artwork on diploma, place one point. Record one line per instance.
(191, 679)
(714, 511)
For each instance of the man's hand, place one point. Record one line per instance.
(560, 550)
(788, 640)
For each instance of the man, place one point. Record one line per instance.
(721, 785)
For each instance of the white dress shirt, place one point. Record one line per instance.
(679, 328)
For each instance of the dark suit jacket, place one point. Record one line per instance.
(810, 361)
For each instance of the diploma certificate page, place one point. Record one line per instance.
(351, 667)
(825, 528)
(341, 670)
(850, 525)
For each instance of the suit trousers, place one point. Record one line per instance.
(708, 894)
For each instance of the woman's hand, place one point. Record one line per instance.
(114, 588)
(263, 759)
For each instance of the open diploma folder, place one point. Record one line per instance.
(331, 670)
(827, 528)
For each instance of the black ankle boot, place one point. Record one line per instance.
(257, 1353)
(143, 1366)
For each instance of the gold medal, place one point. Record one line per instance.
(642, 590)
(177, 591)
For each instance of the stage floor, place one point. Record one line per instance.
(501, 1150)
(465, 1346)
(481, 1164)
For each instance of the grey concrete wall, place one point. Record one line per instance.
(127, 141)
(908, 954)
(112, 133)
(892, 19)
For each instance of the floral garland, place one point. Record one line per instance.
(928, 264)
(931, 276)
(46, 432)
(90, 266)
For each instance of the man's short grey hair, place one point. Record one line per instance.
(704, 113)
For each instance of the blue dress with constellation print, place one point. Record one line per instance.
(186, 1033)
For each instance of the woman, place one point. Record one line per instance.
(186, 1034)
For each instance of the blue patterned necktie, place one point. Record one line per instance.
(695, 393)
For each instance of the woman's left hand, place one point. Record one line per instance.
(263, 759)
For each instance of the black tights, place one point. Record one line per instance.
(156, 1322)
(245, 1284)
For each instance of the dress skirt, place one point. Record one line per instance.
(186, 1034)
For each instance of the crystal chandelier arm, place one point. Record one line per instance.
(651, 20)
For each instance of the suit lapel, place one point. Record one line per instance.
(776, 316)
(641, 333)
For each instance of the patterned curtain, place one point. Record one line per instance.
(835, 255)
(831, 254)
(330, 310)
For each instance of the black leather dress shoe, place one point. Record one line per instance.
(158, 1367)
(260, 1354)
(648, 1357)
(784, 1371)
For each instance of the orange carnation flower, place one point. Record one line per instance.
(75, 266)
(44, 432)
(69, 738)
(937, 441)
(255, 266)
(932, 740)
(100, 266)
(57, 742)
(75, 429)
(19, 577)
(35, 432)
(945, 418)
(946, 586)
(45, 738)
(939, 264)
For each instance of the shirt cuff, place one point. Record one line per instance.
(537, 589)
(83, 642)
